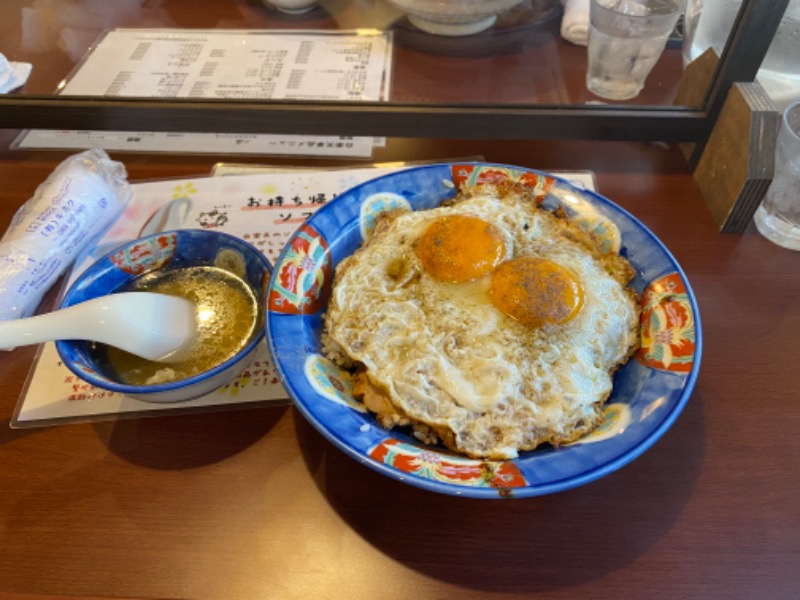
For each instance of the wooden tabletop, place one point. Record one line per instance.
(256, 504)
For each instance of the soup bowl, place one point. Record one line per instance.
(119, 269)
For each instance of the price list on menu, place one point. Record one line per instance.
(232, 64)
(235, 64)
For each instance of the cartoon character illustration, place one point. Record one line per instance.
(212, 219)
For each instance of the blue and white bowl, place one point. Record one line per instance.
(171, 249)
(649, 391)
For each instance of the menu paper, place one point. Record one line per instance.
(260, 204)
(199, 143)
(229, 65)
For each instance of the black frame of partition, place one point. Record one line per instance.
(753, 30)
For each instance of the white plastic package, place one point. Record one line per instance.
(13, 74)
(76, 202)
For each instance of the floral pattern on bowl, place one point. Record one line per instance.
(668, 327)
(451, 469)
(539, 183)
(304, 275)
(145, 255)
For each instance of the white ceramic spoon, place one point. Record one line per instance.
(154, 326)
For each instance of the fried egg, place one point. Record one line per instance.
(490, 324)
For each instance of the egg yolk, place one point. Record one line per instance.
(460, 248)
(536, 291)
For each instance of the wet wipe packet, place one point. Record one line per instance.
(77, 202)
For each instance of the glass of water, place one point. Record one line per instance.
(778, 217)
(626, 39)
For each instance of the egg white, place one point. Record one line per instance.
(446, 357)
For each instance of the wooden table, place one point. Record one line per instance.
(256, 504)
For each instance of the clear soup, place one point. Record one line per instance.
(227, 315)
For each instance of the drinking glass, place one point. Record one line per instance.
(626, 39)
(778, 217)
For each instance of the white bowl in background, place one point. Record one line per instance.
(453, 17)
(292, 7)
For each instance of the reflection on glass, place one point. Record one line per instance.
(522, 58)
(709, 23)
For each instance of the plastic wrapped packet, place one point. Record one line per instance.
(76, 202)
(13, 74)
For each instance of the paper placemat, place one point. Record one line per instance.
(264, 207)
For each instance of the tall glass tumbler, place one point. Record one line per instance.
(778, 217)
(626, 39)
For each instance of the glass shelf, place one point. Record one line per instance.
(517, 79)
